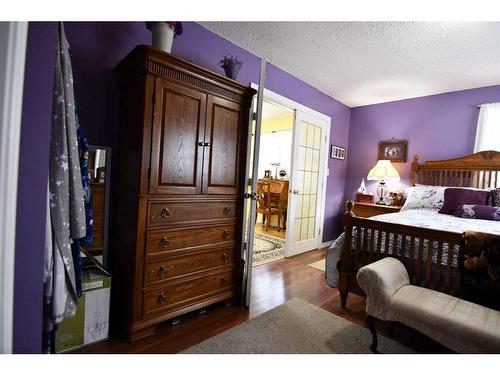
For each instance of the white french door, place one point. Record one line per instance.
(308, 179)
(250, 188)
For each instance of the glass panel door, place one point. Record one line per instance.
(306, 183)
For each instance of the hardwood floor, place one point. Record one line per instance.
(272, 231)
(273, 284)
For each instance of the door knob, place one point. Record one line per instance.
(252, 196)
(295, 191)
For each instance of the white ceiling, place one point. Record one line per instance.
(360, 63)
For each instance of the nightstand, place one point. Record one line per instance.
(371, 209)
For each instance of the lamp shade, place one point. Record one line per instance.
(383, 170)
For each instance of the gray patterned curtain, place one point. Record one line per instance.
(66, 213)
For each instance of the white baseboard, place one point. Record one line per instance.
(326, 244)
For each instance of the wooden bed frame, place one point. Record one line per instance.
(479, 170)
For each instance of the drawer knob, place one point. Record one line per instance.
(223, 280)
(164, 242)
(166, 213)
(162, 298)
(226, 234)
(225, 257)
(162, 271)
(227, 211)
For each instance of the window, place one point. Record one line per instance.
(488, 128)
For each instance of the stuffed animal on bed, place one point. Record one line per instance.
(482, 250)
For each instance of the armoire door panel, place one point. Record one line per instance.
(224, 134)
(179, 122)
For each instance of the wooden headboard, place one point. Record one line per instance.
(479, 170)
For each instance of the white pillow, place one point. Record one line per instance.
(424, 197)
(457, 187)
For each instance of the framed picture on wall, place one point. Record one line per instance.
(394, 150)
(337, 152)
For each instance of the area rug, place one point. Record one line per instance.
(293, 328)
(320, 265)
(267, 248)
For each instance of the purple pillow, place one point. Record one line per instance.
(454, 197)
(469, 211)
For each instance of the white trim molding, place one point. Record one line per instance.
(13, 39)
(326, 244)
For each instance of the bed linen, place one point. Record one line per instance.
(421, 218)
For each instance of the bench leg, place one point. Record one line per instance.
(343, 299)
(370, 322)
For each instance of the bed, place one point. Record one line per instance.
(429, 244)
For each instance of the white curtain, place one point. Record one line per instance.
(488, 128)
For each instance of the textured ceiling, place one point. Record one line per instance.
(361, 63)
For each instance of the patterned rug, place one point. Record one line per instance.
(267, 248)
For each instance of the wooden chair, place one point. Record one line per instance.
(279, 200)
(264, 205)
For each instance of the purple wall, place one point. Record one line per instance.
(97, 48)
(437, 127)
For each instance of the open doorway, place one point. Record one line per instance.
(287, 148)
(275, 160)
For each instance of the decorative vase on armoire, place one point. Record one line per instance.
(163, 33)
(178, 191)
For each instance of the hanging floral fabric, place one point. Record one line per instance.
(83, 151)
(66, 196)
(83, 154)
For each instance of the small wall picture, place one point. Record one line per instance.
(337, 152)
(394, 150)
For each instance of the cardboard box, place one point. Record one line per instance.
(91, 321)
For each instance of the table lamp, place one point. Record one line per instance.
(382, 171)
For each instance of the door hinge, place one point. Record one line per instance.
(254, 116)
(244, 245)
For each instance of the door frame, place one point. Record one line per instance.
(283, 101)
(13, 40)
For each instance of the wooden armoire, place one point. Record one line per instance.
(178, 193)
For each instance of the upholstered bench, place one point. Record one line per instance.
(462, 326)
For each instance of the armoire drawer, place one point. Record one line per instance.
(176, 295)
(166, 241)
(184, 212)
(167, 268)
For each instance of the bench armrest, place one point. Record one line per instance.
(380, 281)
